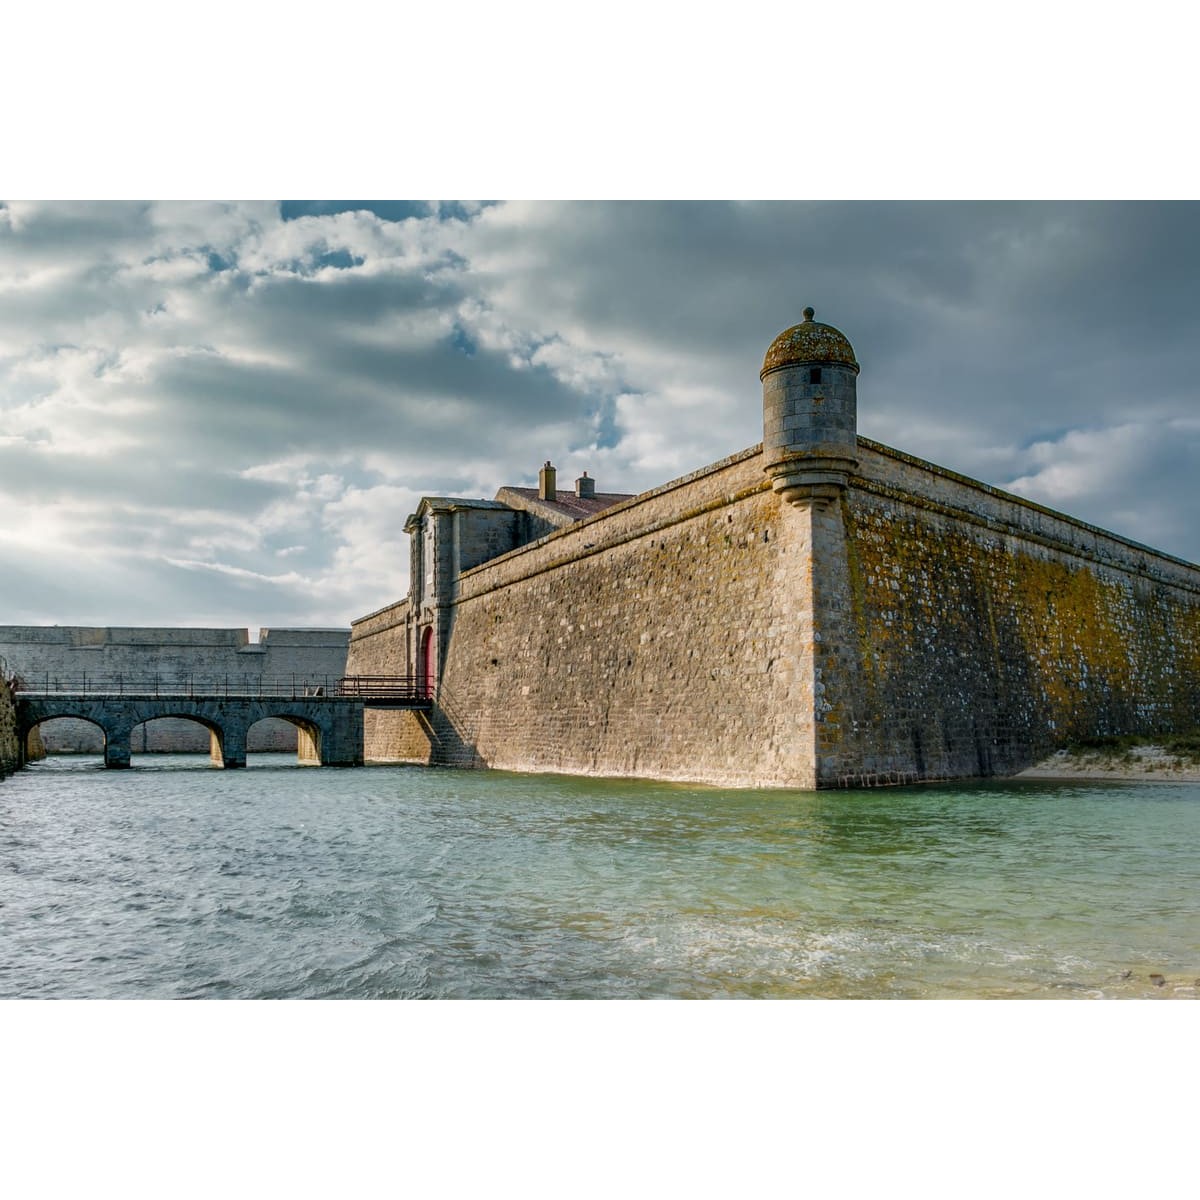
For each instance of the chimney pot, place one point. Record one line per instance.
(546, 488)
(585, 488)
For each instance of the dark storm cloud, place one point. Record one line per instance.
(38, 475)
(153, 592)
(360, 397)
(716, 280)
(981, 327)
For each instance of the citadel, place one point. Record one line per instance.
(818, 610)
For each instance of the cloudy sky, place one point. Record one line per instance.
(221, 413)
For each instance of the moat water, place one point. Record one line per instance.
(178, 880)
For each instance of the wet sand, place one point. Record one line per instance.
(1150, 763)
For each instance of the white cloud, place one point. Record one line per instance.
(1126, 478)
(208, 384)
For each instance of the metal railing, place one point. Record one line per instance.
(192, 684)
(384, 687)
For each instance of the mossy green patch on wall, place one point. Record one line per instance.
(988, 631)
(10, 747)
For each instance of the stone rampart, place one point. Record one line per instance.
(971, 631)
(655, 639)
(922, 626)
(66, 653)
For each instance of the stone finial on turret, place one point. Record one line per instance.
(810, 412)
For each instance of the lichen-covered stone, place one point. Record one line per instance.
(10, 746)
(809, 342)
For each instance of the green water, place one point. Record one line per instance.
(174, 879)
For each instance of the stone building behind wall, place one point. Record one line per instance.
(61, 654)
(451, 535)
(817, 610)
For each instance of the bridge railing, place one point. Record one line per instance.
(195, 684)
(384, 687)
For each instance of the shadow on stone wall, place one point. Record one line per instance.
(453, 732)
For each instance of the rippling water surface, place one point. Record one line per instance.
(178, 880)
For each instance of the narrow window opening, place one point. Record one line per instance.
(814, 374)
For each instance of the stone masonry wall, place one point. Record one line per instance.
(924, 627)
(383, 643)
(658, 639)
(972, 632)
(10, 751)
(68, 652)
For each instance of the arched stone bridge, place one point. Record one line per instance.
(329, 719)
(330, 730)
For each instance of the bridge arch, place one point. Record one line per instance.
(309, 734)
(152, 736)
(31, 749)
(214, 728)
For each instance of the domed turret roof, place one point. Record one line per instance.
(809, 342)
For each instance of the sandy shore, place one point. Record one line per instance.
(1142, 762)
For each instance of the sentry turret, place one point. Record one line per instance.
(810, 412)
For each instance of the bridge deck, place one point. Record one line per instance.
(373, 691)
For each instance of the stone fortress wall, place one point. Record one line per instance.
(10, 750)
(824, 612)
(611, 647)
(961, 631)
(385, 643)
(970, 632)
(68, 652)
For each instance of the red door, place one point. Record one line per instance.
(427, 672)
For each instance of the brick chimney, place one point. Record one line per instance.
(546, 488)
(585, 488)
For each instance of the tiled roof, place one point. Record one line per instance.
(567, 505)
(444, 502)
